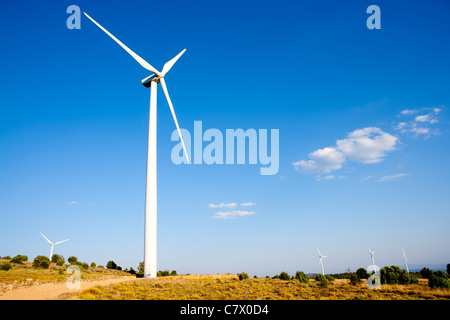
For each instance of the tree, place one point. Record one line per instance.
(362, 273)
(302, 277)
(321, 279)
(19, 259)
(56, 257)
(284, 276)
(111, 265)
(242, 276)
(354, 279)
(73, 260)
(439, 280)
(141, 267)
(174, 273)
(448, 268)
(426, 273)
(41, 262)
(93, 265)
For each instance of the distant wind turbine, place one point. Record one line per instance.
(150, 267)
(404, 258)
(320, 260)
(53, 244)
(371, 255)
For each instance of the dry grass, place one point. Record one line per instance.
(228, 287)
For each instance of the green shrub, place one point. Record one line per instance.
(362, 273)
(5, 266)
(60, 262)
(426, 273)
(73, 260)
(438, 280)
(131, 271)
(57, 257)
(41, 262)
(85, 266)
(321, 278)
(174, 273)
(276, 276)
(414, 279)
(243, 276)
(111, 265)
(302, 277)
(284, 276)
(354, 279)
(19, 259)
(93, 265)
(255, 277)
(6, 258)
(164, 273)
(448, 268)
(330, 278)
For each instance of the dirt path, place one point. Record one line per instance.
(53, 291)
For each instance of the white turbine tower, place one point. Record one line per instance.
(320, 260)
(404, 258)
(150, 256)
(52, 245)
(371, 256)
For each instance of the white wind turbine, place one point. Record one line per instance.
(52, 245)
(320, 260)
(371, 255)
(151, 188)
(404, 258)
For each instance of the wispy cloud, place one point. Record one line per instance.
(421, 124)
(71, 203)
(392, 177)
(232, 214)
(248, 204)
(223, 205)
(366, 145)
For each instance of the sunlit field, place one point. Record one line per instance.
(229, 287)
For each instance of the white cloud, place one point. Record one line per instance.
(322, 161)
(392, 177)
(367, 145)
(408, 111)
(232, 214)
(248, 204)
(420, 124)
(223, 205)
(72, 202)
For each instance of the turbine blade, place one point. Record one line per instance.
(169, 64)
(164, 87)
(141, 61)
(62, 241)
(318, 251)
(46, 239)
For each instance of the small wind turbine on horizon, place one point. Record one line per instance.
(404, 258)
(150, 266)
(320, 260)
(52, 245)
(371, 256)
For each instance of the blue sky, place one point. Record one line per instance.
(362, 116)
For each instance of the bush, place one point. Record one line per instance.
(284, 276)
(426, 273)
(57, 257)
(60, 263)
(93, 265)
(439, 280)
(321, 278)
(448, 268)
(255, 277)
(164, 273)
(302, 277)
(174, 273)
(84, 265)
(131, 271)
(362, 273)
(330, 278)
(6, 258)
(111, 265)
(354, 279)
(19, 259)
(414, 279)
(141, 267)
(243, 276)
(41, 262)
(5, 266)
(276, 276)
(73, 260)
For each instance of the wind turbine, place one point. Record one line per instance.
(404, 258)
(371, 255)
(320, 260)
(53, 244)
(151, 187)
